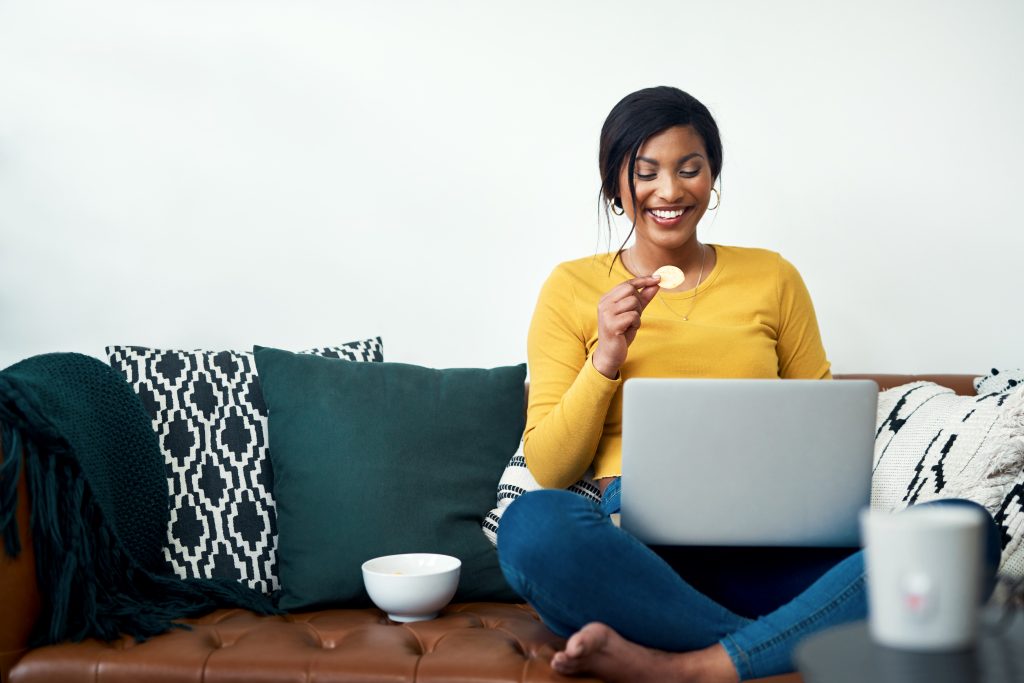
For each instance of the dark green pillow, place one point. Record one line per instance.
(373, 459)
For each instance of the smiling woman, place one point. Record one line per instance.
(667, 164)
(668, 306)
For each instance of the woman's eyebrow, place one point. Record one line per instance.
(681, 161)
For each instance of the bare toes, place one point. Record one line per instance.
(599, 650)
(581, 649)
(589, 640)
(564, 664)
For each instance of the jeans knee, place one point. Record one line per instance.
(992, 536)
(535, 525)
(957, 502)
(991, 528)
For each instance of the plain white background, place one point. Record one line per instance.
(216, 174)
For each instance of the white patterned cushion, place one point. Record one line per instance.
(209, 415)
(999, 381)
(517, 480)
(932, 443)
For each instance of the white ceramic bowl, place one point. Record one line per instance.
(413, 586)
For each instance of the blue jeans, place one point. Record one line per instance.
(565, 557)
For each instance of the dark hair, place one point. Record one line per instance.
(637, 117)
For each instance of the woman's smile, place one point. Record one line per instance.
(668, 217)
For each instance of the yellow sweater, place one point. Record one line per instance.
(752, 317)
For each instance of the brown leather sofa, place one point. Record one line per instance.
(468, 642)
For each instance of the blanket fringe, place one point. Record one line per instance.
(89, 585)
(10, 473)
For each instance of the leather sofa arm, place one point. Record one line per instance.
(962, 384)
(19, 592)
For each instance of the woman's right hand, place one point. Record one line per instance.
(618, 319)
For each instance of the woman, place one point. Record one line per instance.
(630, 612)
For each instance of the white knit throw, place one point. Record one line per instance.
(932, 444)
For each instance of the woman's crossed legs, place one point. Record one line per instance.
(630, 616)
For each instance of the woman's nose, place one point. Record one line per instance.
(669, 188)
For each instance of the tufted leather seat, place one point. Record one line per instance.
(481, 641)
(470, 642)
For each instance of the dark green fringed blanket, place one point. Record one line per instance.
(99, 504)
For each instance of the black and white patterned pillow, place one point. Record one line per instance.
(931, 444)
(209, 415)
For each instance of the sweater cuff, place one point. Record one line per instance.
(598, 383)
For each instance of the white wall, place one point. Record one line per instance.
(213, 174)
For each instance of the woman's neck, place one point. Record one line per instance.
(644, 259)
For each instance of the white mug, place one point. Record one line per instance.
(924, 576)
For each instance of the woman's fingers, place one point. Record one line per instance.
(640, 289)
(645, 281)
(622, 322)
(647, 296)
(620, 309)
(631, 287)
(618, 319)
(629, 303)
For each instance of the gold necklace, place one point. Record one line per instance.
(692, 299)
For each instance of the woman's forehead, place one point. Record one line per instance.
(672, 144)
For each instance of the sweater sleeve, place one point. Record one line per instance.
(569, 398)
(801, 354)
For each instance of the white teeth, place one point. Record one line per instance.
(667, 214)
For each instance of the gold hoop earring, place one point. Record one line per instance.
(615, 205)
(718, 200)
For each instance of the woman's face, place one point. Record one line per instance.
(673, 187)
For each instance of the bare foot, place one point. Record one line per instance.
(598, 650)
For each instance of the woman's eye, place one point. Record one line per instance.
(689, 173)
(646, 176)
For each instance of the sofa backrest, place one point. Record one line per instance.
(961, 384)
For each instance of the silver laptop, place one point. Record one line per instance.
(746, 462)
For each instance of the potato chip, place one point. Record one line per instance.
(671, 277)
